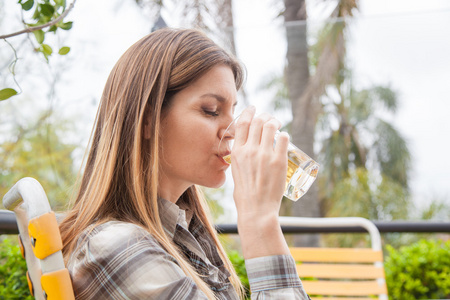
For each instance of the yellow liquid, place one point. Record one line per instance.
(301, 173)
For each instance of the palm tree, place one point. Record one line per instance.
(304, 89)
(304, 109)
(359, 135)
(365, 159)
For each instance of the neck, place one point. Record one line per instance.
(170, 190)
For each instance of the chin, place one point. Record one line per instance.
(215, 182)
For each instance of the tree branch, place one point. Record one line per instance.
(35, 28)
(12, 66)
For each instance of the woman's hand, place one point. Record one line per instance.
(259, 172)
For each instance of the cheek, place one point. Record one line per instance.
(174, 133)
(188, 142)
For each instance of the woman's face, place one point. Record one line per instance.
(191, 130)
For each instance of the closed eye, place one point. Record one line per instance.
(212, 113)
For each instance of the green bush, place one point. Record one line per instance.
(239, 265)
(13, 280)
(419, 271)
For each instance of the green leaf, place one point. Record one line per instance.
(60, 3)
(39, 35)
(37, 13)
(7, 93)
(27, 5)
(47, 49)
(66, 26)
(64, 50)
(53, 28)
(47, 10)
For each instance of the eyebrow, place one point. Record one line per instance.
(218, 97)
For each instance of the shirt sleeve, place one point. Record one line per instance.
(274, 277)
(119, 263)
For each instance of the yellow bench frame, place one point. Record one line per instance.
(40, 239)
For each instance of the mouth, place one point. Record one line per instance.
(225, 157)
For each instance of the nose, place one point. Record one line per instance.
(227, 132)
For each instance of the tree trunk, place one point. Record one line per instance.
(226, 25)
(226, 11)
(304, 109)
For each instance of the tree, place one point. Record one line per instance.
(304, 110)
(48, 16)
(37, 150)
(365, 159)
(304, 90)
(357, 134)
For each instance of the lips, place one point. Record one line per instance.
(224, 153)
(223, 161)
(221, 156)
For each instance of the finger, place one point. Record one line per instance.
(281, 146)
(268, 134)
(256, 127)
(243, 124)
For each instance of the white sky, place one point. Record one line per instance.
(404, 43)
(407, 44)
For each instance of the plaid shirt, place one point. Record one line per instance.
(119, 260)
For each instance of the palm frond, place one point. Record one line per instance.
(392, 152)
(386, 96)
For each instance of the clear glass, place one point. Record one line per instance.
(302, 171)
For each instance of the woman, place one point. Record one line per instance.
(139, 227)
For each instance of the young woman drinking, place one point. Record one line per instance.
(139, 227)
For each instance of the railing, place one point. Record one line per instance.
(8, 225)
(383, 227)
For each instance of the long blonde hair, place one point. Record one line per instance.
(120, 179)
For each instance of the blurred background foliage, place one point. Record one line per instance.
(13, 280)
(419, 271)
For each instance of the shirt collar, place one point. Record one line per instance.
(172, 214)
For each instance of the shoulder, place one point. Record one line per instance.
(114, 232)
(112, 238)
(115, 244)
(118, 229)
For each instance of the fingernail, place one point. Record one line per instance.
(284, 134)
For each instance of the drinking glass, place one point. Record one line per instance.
(301, 173)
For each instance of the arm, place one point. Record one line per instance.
(259, 173)
(274, 277)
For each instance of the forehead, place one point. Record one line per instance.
(218, 83)
(218, 77)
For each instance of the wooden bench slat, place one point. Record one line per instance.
(340, 271)
(336, 255)
(343, 288)
(341, 298)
